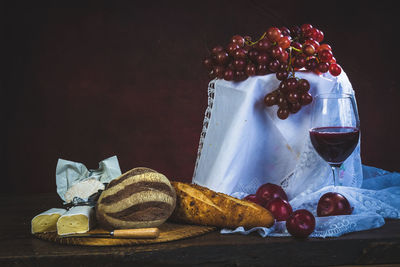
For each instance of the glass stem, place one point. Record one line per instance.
(335, 172)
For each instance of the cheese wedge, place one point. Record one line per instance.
(77, 220)
(83, 189)
(46, 221)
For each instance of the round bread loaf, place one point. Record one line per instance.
(138, 198)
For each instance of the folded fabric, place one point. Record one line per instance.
(69, 174)
(244, 144)
(376, 200)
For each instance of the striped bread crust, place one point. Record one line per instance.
(138, 198)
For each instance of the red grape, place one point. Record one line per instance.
(274, 65)
(262, 69)
(222, 58)
(219, 72)
(308, 49)
(324, 47)
(253, 54)
(313, 33)
(229, 74)
(291, 84)
(240, 53)
(247, 48)
(283, 87)
(282, 101)
(283, 66)
(264, 45)
(313, 43)
(296, 31)
(231, 48)
(250, 69)
(292, 97)
(305, 27)
(283, 113)
(325, 55)
(276, 51)
(309, 33)
(311, 63)
(297, 45)
(299, 61)
(305, 99)
(323, 67)
(335, 69)
(284, 42)
(284, 57)
(280, 51)
(273, 34)
(303, 85)
(239, 64)
(320, 36)
(270, 99)
(282, 75)
(240, 75)
(294, 107)
(237, 39)
(285, 31)
(263, 58)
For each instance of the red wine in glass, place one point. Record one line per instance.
(334, 144)
(335, 128)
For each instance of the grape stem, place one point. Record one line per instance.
(295, 49)
(249, 42)
(290, 67)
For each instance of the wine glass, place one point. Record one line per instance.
(335, 128)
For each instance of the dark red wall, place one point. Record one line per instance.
(87, 81)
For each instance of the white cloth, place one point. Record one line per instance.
(244, 145)
(377, 199)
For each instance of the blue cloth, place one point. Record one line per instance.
(377, 199)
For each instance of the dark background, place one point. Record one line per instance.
(89, 80)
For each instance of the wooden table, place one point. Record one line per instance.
(19, 248)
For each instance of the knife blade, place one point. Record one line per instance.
(120, 233)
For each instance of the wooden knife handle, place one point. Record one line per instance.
(137, 233)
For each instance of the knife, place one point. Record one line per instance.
(120, 233)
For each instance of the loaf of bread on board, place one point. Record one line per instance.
(199, 205)
(138, 198)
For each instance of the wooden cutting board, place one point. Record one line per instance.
(168, 232)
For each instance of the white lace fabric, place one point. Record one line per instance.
(243, 145)
(377, 199)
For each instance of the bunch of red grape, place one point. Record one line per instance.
(280, 51)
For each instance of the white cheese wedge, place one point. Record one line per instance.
(77, 220)
(46, 221)
(83, 189)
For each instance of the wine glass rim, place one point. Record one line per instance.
(334, 95)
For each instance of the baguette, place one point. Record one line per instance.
(199, 205)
